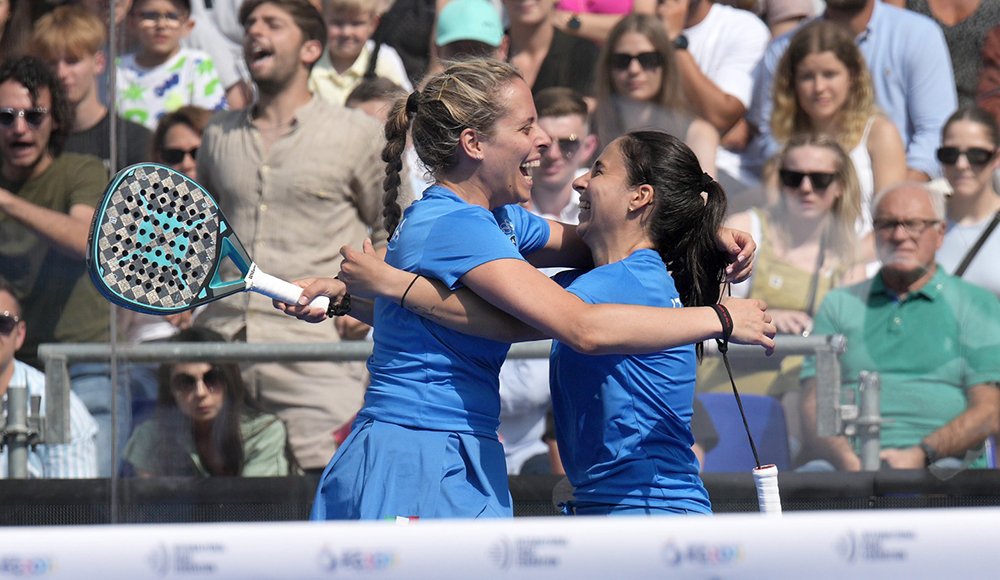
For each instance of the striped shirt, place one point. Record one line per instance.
(74, 460)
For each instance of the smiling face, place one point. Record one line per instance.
(604, 195)
(808, 201)
(198, 390)
(634, 81)
(822, 85)
(557, 168)
(968, 180)
(347, 34)
(23, 147)
(514, 151)
(275, 49)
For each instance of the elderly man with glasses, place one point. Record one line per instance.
(933, 338)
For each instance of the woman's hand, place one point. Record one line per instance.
(751, 322)
(792, 322)
(365, 273)
(740, 247)
(311, 288)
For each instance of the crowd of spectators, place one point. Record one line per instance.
(805, 111)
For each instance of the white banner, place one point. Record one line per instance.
(931, 544)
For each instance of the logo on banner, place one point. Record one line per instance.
(676, 554)
(526, 552)
(356, 560)
(185, 558)
(875, 546)
(26, 566)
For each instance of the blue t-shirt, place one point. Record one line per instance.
(423, 374)
(624, 422)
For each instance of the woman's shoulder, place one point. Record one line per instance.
(261, 425)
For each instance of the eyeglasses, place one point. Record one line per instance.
(175, 156)
(568, 146)
(647, 60)
(974, 155)
(185, 384)
(33, 117)
(818, 180)
(913, 228)
(170, 19)
(8, 322)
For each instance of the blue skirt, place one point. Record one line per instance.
(386, 471)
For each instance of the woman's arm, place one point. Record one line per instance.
(565, 249)
(596, 27)
(703, 139)
(534, 300)
(885, 148)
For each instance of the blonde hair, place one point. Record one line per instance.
(788, 118)
(465, 96)
(67, 30)
(842, 237)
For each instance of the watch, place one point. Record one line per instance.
(574, 23)
(681, 42)
(930, 452)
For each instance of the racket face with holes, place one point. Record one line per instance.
(157, 241)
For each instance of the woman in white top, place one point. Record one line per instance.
(822, 85)
(969, 159)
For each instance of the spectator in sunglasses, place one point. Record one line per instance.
(823, 84)
(969, 161)
(76, 459)
(639, 85)
(48, 199)
(70, 39)
(177, 138)
(207, 424)
(808, 246)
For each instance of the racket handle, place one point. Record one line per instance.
(766, 480)
(278, 289)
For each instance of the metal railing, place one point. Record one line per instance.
(57, 359)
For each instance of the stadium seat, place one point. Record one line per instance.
(767, 424)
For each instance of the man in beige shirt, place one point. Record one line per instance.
(298, 178)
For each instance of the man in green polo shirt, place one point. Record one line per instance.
(933, 338)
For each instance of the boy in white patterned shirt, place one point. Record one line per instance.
(162, 76)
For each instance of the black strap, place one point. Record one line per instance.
(978, 245)
(727, 330)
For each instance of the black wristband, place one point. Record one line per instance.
(342, 307)
(725, 319)
(402, 300)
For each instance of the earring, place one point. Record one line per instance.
(479, 156)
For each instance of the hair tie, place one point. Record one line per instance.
(411, 102)
(706, 180)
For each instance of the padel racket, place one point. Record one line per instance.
(158, 240)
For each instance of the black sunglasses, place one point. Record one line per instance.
(568, 146)
(975, 155)
(794, 178)
(175, 156)
(8, 323)
(647, 60)
(34, 117)
(184, 384)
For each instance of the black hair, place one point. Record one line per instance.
(683, 224)
(35, 75)
(226, 434)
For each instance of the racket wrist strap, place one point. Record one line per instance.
(727, 326)
(402, 300)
